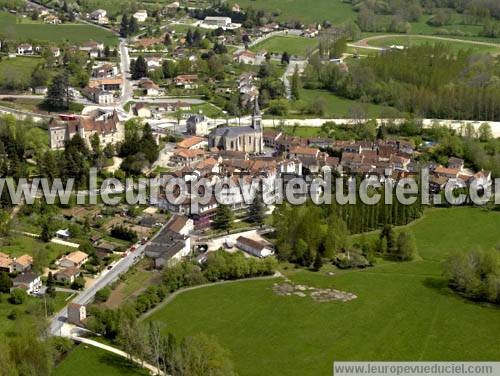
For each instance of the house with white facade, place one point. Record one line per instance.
(254, 247)
(30, 282)
(141, 15)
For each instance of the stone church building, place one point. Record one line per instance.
(240, 138)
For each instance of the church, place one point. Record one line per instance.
(247, 139)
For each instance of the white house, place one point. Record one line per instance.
(30, 282)
(180, 224)
(25, 49)
(141, 15)
(98, 96)
(254, 247)
(100, 16)
(216, 22)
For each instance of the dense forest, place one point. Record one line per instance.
(427, 81)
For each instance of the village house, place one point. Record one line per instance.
(40, 90)
(63, 234)
(92, 45)
(106, 125)
(301, 152)
(104, 71)
(456, 163)
(98, 96)
(180, 224)
(67, 275)
(141, 15)
(74, 259)
(249, 57)
(77, 313)
(149, 87)
(217, 22)
(141, 110)
(107, 84)
(25, 49)
(100, 16)
(254, 247)
(30, 282)
(187, 156)
(192, 142)
(153, 62)
(186, 81)
(51, 19)
(168, 247)
(55, 51)
(5, 263)
(22, 264)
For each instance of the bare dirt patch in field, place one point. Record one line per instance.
(320, 295)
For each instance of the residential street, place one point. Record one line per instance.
(127, 89)
(106, 278)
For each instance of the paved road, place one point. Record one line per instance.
(127, 89)
(108, 277)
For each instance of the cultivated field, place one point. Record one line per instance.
(404, 311)
(12, 28)
(297, 46)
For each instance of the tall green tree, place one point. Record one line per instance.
(57, 98)
(140, 68)
(124, 32)
(223, 218)
(295, 85)
(256, 211)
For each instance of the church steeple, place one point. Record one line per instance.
(256, 115)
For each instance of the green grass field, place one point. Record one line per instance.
(417, 40)
(402, 312)
(16, 245)
(19, 67)
(12, 28)
(335, 11)
(298, 46)
(335, 106)
(84, 360)
(8, 326)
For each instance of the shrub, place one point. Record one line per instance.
(103, 295)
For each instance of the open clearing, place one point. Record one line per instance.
(12, 28)
(403, 311)
(296, 46)
(306, 11)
